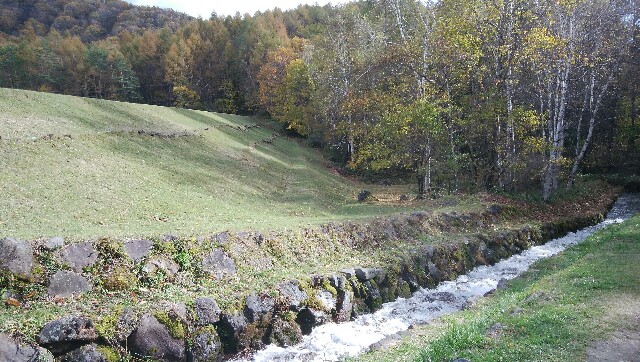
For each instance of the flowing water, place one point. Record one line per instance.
(331, 342)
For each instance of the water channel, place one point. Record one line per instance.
(331, 342)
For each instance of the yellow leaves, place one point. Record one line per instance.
(540, 43)
(185, 97)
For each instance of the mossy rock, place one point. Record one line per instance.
(121, 278)
(284, 332)
(174, 325)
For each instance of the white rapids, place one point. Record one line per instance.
(332, 342)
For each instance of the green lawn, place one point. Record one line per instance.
(554, 312)
(79, 168)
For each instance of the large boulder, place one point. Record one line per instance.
(66, 334)
(65, 284)
(344, 307)
(161, 263)
(126, 324)
(364, 274)
(218, 264)
(344, 304)
(16, 256)
(206, 347)
(53, 243)
(284, 333)
(258, 307)
(86, 353)
(233, 328)
(137, 249)
(206, 311)
(290, 291)
(308, 318)
(14, 352)
(79, 255)
(327, 300)
(153, 339)
(373, 296)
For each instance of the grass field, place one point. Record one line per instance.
(83, 168)
(561, 310)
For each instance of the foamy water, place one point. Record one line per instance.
(331, 342)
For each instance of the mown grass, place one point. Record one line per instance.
(80, 168)
(551, 313)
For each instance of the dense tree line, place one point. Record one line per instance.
(458, 94)
(88, 19)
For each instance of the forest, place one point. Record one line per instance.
(454, 95)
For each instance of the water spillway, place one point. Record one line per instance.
(332, 342)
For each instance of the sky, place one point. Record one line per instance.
(203, 8)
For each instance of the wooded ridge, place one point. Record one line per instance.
(457, 95)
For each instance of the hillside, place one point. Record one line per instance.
(84, 168)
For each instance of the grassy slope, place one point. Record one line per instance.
(108, 180)
(552, 313)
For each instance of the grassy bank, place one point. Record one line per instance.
(554, 312)
(85, 168)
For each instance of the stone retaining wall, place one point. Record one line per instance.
(201, 331)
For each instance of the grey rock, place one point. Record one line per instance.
(490, 292)
(152, 339)
(222, 238)
(233, 327)
(502, 283)
(494, 209)
(176, 311)
(517, 311)
(364, 274)
(460, 360)
(206, 311)
(65, 283)
(258, 306)
(86, 353)
(338, 281)
(9, 295)
(126, 324)
(381, 277)
(364, 195)
(258, 238)
(434, 273)
(218, 264)
(161, 263)
(429, 250)
(284, 333)
(410, 279)
(53, 243)
(138, 249)
(206, 347)
(243, 235)
(374, 297)
(348, 272)
(344, 307)
(327, 299)
(308, 318)
(65, 334)
(16, 256)
(169, 238)
(495, 330)
(290, 290)
(13, 352)
(79, 255)
(359, 308)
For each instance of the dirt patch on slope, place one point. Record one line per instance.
(623, 345)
